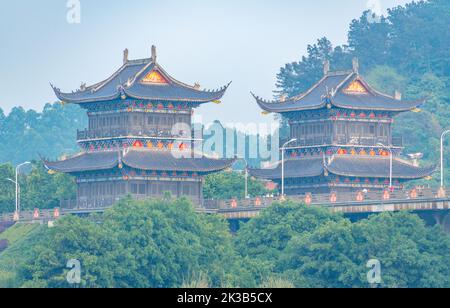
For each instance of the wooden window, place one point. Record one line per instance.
(134, 189)
(154, 189)
(142, 189)
(186, 190)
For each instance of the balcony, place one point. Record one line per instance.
(83, 135)
(356, 141)
(370, 141)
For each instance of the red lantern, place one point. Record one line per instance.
(333, 197)
(386, 195)
(138, 144)
(360, 197)
(36, 214)
(308, 199)
(257, 201)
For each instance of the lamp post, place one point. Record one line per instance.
(442, 157)
(246, 179)
(391, 163)
(16, 182)
(283, 149)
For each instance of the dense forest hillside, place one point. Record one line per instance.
(25, 135)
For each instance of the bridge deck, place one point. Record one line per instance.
(361, 203)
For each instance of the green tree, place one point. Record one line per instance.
(139, 244)
(265, 237)
(228, 185)
(335, 254)
(297, 77)
(25, 135)
(7, 189)
(39, 189)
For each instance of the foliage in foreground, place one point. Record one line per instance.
(138, 244)
(164, 243)
(311, 247)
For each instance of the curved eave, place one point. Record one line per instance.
(209, 95)
(295, 168)
(58, 166)
(184, 165)
(275, 175)
(68, 97)
(420, 173)
(410, 106)
(280, 107)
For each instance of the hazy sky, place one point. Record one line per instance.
(212, 42)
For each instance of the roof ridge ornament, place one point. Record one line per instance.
(398, 95)
(326, 67)
(154, 54)
(125, 56)
(355, 63)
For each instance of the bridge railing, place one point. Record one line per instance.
(83, 204)
(334, 199)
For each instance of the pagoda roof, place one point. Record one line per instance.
(376, 167)
(346, 90)
(143, 159)
(165, 161)
(294, 168)
(345, 165)
(140, 79)
(95, 161)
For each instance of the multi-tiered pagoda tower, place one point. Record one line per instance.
(140, 140)
(344, 137)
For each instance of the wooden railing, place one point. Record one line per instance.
(109, 133)
(357, 141)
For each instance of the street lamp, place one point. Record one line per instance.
(16, 182)
(442, 156)
(391, 163)
(283, 149)
(246, 179)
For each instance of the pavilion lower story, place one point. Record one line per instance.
(97, 194)
(103, 178)
(343, 173)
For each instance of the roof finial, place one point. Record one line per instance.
(398, 95)
(326, 67)
(125, 56)
(356, 65)
(154, 54)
